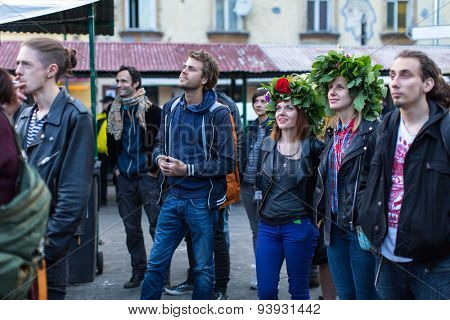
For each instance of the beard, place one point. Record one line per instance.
(189, 86)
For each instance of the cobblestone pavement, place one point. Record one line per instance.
(117, 269)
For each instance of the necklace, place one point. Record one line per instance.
(283, 166)
(288, 155)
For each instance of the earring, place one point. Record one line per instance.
(49, 76)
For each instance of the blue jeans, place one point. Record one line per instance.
(175, 214)
(293, 242)
(352, 268)
(412, 280)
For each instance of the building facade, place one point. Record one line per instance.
(278, 21)
(281, 22)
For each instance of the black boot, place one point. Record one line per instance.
(134, 282)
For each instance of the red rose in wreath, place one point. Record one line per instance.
(282, 86)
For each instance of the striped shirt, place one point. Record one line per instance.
(34, 127)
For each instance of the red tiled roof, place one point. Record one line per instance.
(159, 57)
(299, 58)
(155, 56)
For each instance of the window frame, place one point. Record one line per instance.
(153, 8)
(316, 27)
(226, 18)
(395, 22)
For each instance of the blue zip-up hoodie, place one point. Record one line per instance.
(187, 146)
(201, 137)
(132, 159)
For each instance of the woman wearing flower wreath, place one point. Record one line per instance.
(354, 94)
(284, 187)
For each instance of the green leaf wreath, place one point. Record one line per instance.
(362, 77)
(302, 93)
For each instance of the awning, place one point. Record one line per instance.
(56, 16)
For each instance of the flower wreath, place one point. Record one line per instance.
(362, 77)
(302, 93)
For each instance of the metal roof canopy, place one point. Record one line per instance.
(56, 16)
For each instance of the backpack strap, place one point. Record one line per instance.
(175, 103)
(212, 109)
(216, 106)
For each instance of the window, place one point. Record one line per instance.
(397, 15)
(141, 14)
(226, 18)
(318, 15)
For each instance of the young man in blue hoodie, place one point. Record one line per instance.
(133, 123)
(194, 151)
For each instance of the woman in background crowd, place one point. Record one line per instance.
(258, 129)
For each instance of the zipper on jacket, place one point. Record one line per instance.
(166, 141)
(209, 157)
(270, 186)
(47, 159)
(378, 272)
(321, 194)
(354, 194)
(129, 146)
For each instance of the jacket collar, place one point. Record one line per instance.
(436, 113)
(269, 146)
(56, 109)
(365, 127)
(359, 140)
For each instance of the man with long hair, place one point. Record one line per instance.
(405, 206)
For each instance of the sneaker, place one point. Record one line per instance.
(254, 285)
(134, 282)
(218, 295)
(179, 289)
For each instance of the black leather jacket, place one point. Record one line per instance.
(63, 154)
(306, 172)
(424, 221)
(348, 178)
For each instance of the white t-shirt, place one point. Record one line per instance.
(404, 141)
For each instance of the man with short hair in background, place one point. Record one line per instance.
(133, 123)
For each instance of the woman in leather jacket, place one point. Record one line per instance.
(352, 268)
(58, 137)
(284, 186)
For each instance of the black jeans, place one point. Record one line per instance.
(247, 197)
(57, 278)
(221, 253)
(103, 177)
(134, 194)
